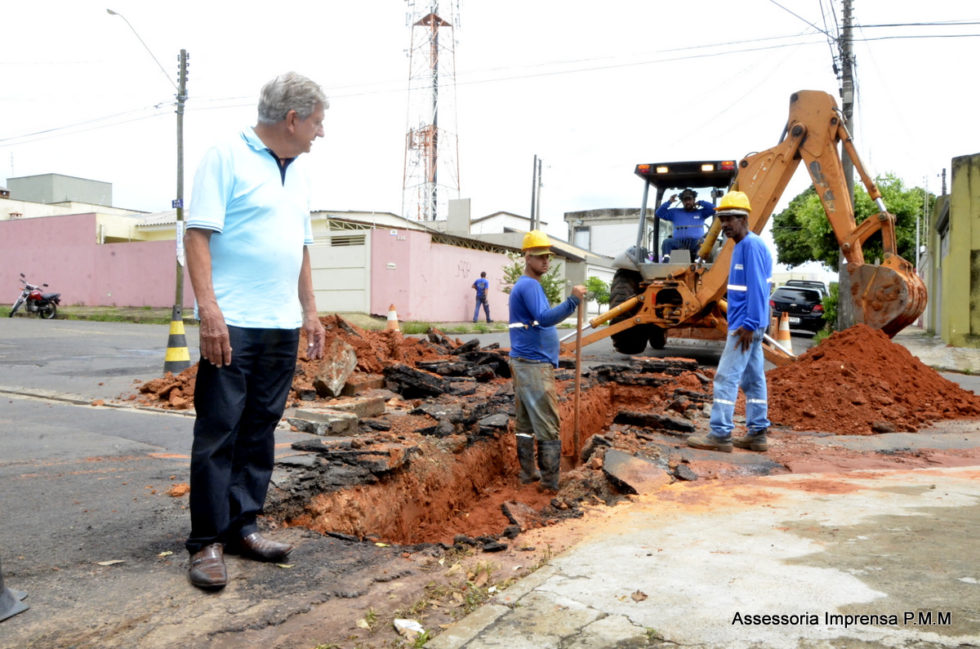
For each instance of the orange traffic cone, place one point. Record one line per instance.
(392, 319)
(782, 334)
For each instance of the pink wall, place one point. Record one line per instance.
(63, 251)
(432, 281)
(424, 280)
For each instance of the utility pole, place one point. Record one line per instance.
(847, 91)
(534, 191)
(537, 198)
(845, 314)
(178, 358)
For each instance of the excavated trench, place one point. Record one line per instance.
(438, 488)
(440, 464)
(451, 487)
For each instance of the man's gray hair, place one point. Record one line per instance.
(288, 92)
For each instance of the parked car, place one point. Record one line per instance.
(807, 283)
(803, 306)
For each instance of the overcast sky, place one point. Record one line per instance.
(592, 88)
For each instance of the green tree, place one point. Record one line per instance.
(553, 281)
(597, 290)
(802, 231)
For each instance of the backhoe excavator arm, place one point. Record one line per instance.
(887, 297)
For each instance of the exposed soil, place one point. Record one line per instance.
(859, 382)
(444, 486)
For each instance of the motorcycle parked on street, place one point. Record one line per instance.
(34, 301)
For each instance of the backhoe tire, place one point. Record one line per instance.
(658, 336)
(626, 284)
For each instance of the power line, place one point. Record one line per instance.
(579, 68)
(822, 31)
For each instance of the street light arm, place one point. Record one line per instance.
(145, 46)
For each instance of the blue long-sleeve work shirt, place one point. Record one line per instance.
(687, 225)
(749, 278)
(537, 340)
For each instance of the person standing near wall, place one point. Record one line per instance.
(533, 359)
(481, 286)
(247, 255)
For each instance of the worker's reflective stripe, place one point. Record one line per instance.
(756, 401)
(724, 401)
(737, 287)
(521, 325)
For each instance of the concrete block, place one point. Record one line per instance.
(324, 421)
(360, 383)
(363, 407)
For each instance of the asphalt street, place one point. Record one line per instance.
(86, 525)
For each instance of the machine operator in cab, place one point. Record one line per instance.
(689, 223)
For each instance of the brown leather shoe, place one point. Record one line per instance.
(256, 546)
(207, 569)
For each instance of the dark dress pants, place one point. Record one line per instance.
(238, 408)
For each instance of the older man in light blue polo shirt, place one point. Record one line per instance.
(246, 241)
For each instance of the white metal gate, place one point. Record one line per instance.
(342, 272)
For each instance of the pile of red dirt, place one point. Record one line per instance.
(171, 390)
(375, 350)
(859, 382)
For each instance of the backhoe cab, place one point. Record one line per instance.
(687, 298)
(638, 268)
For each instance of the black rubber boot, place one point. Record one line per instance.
(525, 456)
(549, 456)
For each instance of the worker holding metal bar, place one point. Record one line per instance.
(533, 359)
(742, 363)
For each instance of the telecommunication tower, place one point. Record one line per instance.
(431, 174)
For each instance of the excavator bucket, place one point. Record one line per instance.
(889, 296)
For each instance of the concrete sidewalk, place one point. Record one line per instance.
(883, 559)
(785, 561)
(935, 353)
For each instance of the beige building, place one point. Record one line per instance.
(951, 266)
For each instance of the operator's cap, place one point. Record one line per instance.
(735, 203)
(536, 242)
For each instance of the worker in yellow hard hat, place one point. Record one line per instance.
(533, 359)
(742, 363)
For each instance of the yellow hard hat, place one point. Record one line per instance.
(535, 239)
(735, 202)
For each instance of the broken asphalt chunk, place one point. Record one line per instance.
(653, 420)
(684, 472)
(411, 383)
(521, 515)
(633, 474)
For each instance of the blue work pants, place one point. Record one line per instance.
(740, 369)
(680, 243)
(481, 299)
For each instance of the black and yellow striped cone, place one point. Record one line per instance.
(178, 358)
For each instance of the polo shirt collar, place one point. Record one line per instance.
(253, 140)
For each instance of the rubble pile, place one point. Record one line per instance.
(436, 466)
(374, 351)
(421, 452)
(859, 382)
